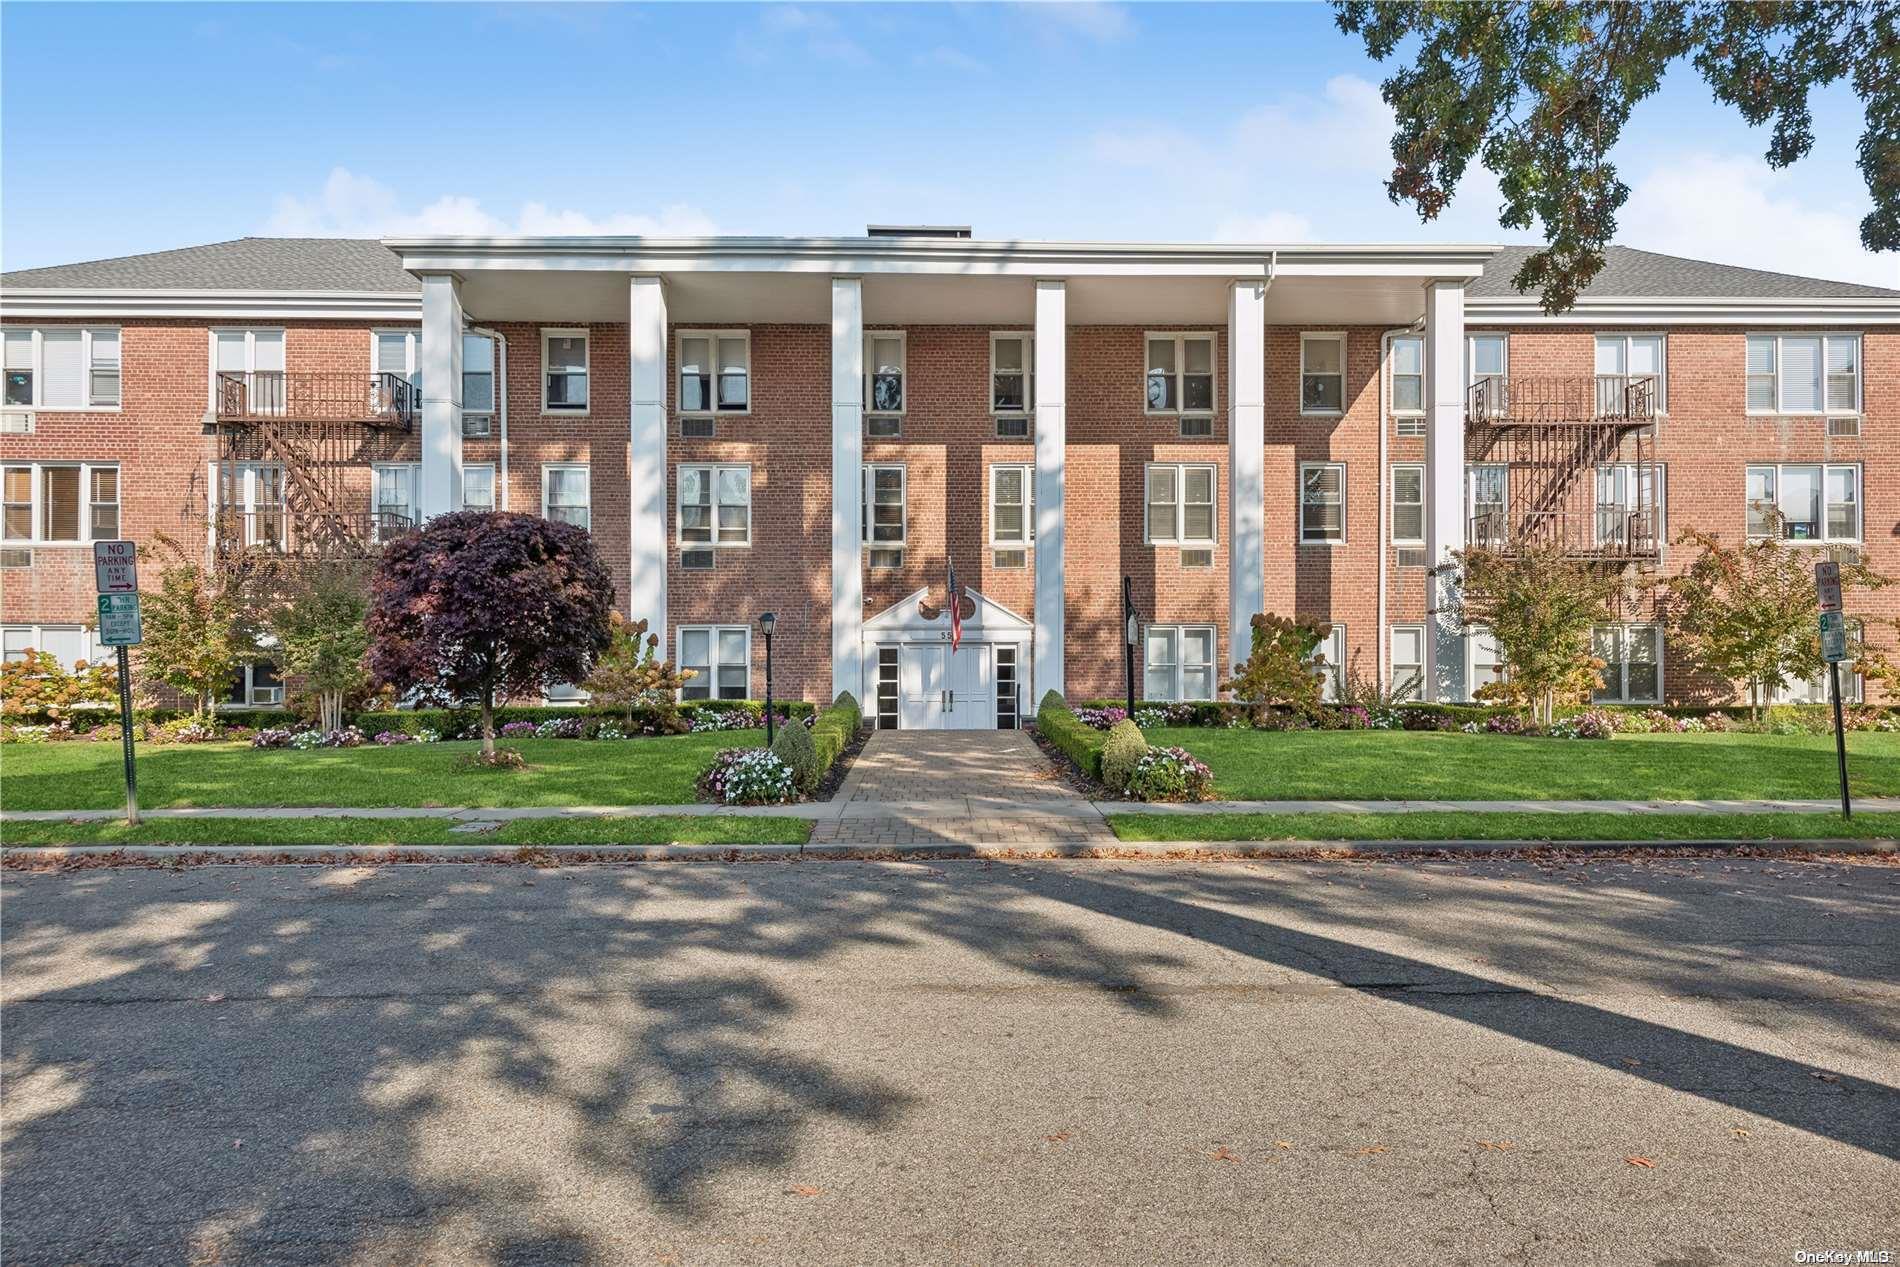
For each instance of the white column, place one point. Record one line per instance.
(1246, 462)
(1444, 486)
(1052, 396)
(440, 489)
(847, 476)
(646, 457)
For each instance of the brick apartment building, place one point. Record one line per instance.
(819, 427)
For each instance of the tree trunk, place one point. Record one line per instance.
(330, 709)
(1754, 699)
(488, 721)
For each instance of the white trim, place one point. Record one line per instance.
(1310, 336)
(412, 475)
(1825, 539)
(1471, 361)
(1177, 668)
(1662, 360)
(1028, 542)
(864, 506)
(711, 472)
(1393, 510)
(1825, 411)
(1392, 663)
(210, 305)
(250, 334)
(1180, 339)
(1390, 369)
(247, 505)
(36, 632)
(494, 486)
(870, 372)
(585, 469)
(712, 335)
(37, 335)
(586, 336)
(1623, 630)
(713, 662)
(410, 350)
(1527, 310)
(1028, 338)
(1180, 537)
(38, 467)
(1475, 635)
(1300, 495)
(1659, 485)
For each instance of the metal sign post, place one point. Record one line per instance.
(1827, 589)
(115, 567)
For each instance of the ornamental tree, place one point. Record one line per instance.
(478, 604)
(1280, 670)
(200, 627)
(630, 676)
(1540, 607)
(316, 614)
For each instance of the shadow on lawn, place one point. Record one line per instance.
(352, 1027)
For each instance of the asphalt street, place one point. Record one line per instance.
(1682, 1062)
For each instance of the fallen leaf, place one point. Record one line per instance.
(1825, 1077)
(1376, 1148)
(1631, 1061)
(1283, 1143)
(1058, 1137)
(214, 998)
(1223, 1153)
(1644, 1162)
(1738, 1132)
(1497, 1145)
(802, 1190)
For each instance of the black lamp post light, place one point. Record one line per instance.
(767, 622)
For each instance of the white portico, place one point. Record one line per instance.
(914, 680)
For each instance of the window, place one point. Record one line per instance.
(398, 352)
(564, 371)
(1485, 664)
(250, 502)
(1803, 373)
(1180, 373)
(1815, 690)
(1632, 663)
(1012, 514)
(478, 376)
(1629, 504)
(1408, 504)
(60, 501)
(1330, 656)
(882, 514)
(478, 487)
(1180, 502)
(396, 498)
(887, 688)
(565, 495)
(1812, 502)
(1408, 385)
(715, 506)
(1008, 703)
(252, 361)
(1322, 501)
(1012, 374)
(1178, 662)
(63, 367)
(719, 658)
(715, 371)
(71, 645)
(1623, 359)
(254, 685)
(1488, 362)
(1322, 373)
(884, 372)
(1487, 501)
(1408, 662)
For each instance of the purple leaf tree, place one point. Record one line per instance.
(480, 604)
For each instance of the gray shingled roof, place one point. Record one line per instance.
(354, 264)
(1632, 274)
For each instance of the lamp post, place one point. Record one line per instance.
(767, 622)
(1131, 630)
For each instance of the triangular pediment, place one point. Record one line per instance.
(906, 616)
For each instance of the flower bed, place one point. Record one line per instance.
(1169, 774)
(747, 776)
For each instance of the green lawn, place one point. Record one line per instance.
(1434, 825)
(1376, 765)
(656, 829)
(561, 772)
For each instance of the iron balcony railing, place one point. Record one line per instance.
(1611, 532)
(279, 530)
(378, 400)
(1500, 399)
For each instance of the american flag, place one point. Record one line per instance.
(956, 609)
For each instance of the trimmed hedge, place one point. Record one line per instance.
(454, 720)
(834, 730)
(1078, 741)
(87, 716)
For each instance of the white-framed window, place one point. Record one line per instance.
(1323, 374)
(1012, 513)
(50, 502)
(884, 371)
(1487, 356)
(882, 513)
(564, 355)
(478, 486)
(252, 494)
(1177, 662)
(1330, 656)
(1632, 663)
(1804, 374)
(1815, 690)
(1012, 372)
(478, 376)
(1408, 504)
(1630, 503)
(1816, 501)
(1180, 503)
(719, 657)
(254, 685)
(396, 497)
(1180, 375)
(71, 645)
(566, 494)
(1322, 503)
(715, 505)
(256, 354)
(63, 367)
(1484, 664)
(1408, 662)
(1488, 503)
(1623, 358)
(1408, 385)
(715, 368)
(398, 352)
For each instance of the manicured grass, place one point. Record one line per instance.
(1433, 825)
(561, 772)
(657, 829)
(1374, 765)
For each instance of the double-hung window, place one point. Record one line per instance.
(478, 383)
(1632, 663)
(250, 503)
(566, 496)
(1322, 502)
(1624, 363)
(882, 514)
(1408, 385)
(1809, 502)
(884, 372)
(53, 502)
(1180, 504)
(1329, 657)
(564, 355)
(247, 370)
(1408, 504)
(1180, 373)
(71, 645)
(1484, 662)
(255, 685)
(1488, 364)
(715, 368)
(398, 353)
(478, 486)
(1487, 502)
(1629, 505)
(1177, 662)
(1012, 514)
(1322, 374)
(1012, 381)
(1804, 374)
(63, 367)
(1408, 662)
(718, 660)
(715, 506)
(396, 497)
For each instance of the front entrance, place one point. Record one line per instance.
(943, 690)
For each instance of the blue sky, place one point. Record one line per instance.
(136, 128)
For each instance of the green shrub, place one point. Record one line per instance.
(1076, 740)
(793, 745)
(453, 722)
(1124, 746)
(833, 732)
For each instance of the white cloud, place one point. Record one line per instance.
(1091, 19)
(952, 59)
(1737, 210)
(353, 206)
(812, 31)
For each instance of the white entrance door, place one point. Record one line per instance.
(972, 689)
(923, 687)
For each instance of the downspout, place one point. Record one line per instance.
(501, 405)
